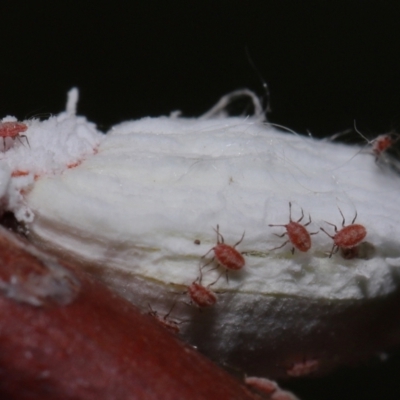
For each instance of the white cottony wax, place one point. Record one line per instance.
(139, 197)
(158, 184)
(46, 148)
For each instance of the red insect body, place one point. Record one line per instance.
(298, 236)
(12, 130)
(201, 295)
(381, 144)
(297, 233)
(263, 385)
(348, 237)
(227, 256)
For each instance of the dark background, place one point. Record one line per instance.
(326, 64)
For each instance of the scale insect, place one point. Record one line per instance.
(13, 130)
(348, 237)
(226, 256)
(298, 235)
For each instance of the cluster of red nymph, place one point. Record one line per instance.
(349, 237)
(229, 258)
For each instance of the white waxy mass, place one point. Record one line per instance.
(143, 195)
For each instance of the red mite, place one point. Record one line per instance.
(382, 143)
(227, 256)
(348, 237)
(12, 130)
(298, 234)
(201, 295)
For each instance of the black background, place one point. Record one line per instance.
(326, 64)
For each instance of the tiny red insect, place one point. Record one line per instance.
(12, 130)
(201, 295)
(381, 143)
(348, 237)
(167, 323)
(263, 385)
(298, 234)
(226, 256)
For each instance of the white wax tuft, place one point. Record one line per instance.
(140, 206)
(45, 148)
